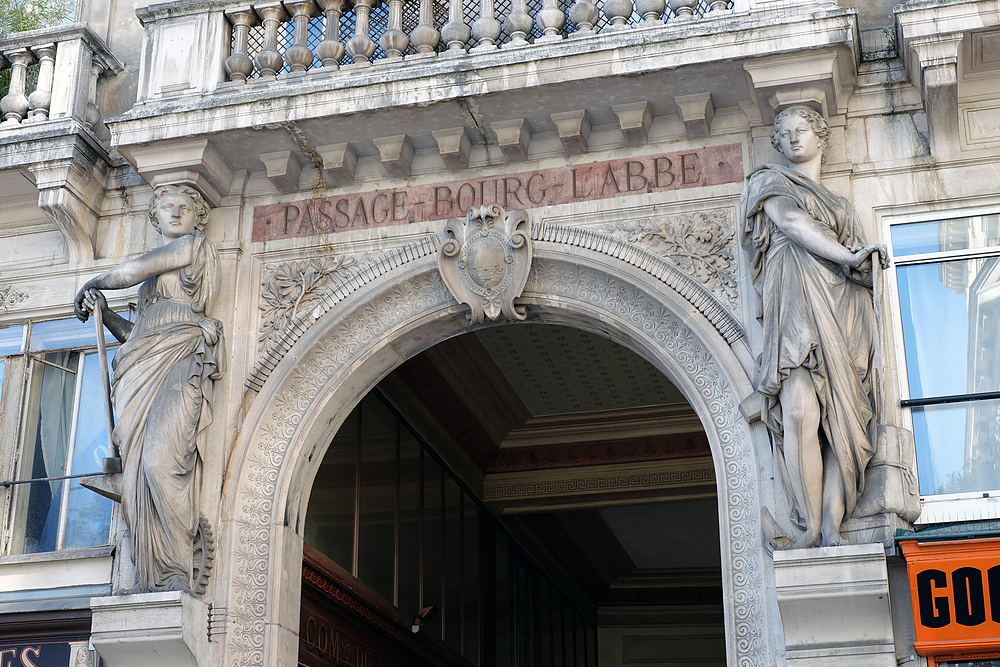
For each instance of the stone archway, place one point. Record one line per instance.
(406, 310)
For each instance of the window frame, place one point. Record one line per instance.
(21, 379)
(947, 507)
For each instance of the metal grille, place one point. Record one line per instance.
(878, 44)
(379, 20)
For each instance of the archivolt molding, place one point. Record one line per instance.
(578, 292)
(296, 294)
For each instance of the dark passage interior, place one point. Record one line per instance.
(543, 494)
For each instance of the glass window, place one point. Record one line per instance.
(948, 280)
(58, 334)
(68, 436)
(12, 340)
(386, 509)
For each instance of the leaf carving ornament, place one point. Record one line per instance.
(292, 289)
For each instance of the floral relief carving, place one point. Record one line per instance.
(10, 297)
(419, 296)
(292, 289)
(699, 243)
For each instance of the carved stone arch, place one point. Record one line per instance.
(335, 362)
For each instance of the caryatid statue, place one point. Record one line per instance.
(162, 390)
(812, 268)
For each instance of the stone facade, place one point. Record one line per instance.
(614, 138)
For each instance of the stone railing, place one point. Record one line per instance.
(54, 73)
(299, 35)
(198, 47)
(195, 47)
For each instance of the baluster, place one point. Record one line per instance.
(298, 56)
(584, 15)
(617, 13)
(683, 9)
(518, 24)
(486, 28)
(550, 20)
(425, 36)
(394, 41)
(269, 60)
(455, 33)
(93, 114)
(239, 65)
(361, 46)
(718, 7)
(14, 105)
(40, 100)
(330, 50)
(651, 11)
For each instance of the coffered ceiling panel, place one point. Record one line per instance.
(557, 370)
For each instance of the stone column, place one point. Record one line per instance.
(14, 105)
(40, 100)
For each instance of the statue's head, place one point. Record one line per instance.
(815, 120)
(201, 208)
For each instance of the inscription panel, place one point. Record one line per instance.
(714, 165)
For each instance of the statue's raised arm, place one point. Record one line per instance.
(811, 267)
(162, 390)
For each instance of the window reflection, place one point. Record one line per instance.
(957, 446)
(950, 314)
(972, 233)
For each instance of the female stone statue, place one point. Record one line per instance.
(812, 269)
(162, 389)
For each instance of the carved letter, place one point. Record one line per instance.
(685, 168)
(630, 176)
(540, 192)
(442, 195)
(666, 170)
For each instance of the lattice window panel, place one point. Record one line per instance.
(379, 19)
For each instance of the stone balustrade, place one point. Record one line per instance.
(270, 38)
(54, 74)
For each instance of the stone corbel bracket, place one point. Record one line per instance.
(484, 261)
(70, 193)
(193, 162)
(823, 80)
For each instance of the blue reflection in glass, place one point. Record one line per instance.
(916, 238)
(935, 331)
(957, 447)
(11, 340)
(89, 514)
(58, 334)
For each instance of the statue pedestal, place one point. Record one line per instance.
(151, 630)
(834, 604)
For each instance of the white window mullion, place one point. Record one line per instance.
(70, 452)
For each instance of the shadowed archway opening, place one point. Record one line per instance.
(480, 482)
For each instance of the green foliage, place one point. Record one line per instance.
(24, 15)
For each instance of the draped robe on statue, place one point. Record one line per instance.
(816, 317)
(163, 377)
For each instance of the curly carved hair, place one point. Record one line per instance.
(201, 209)
(816, 121)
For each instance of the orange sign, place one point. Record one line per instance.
(955, 591)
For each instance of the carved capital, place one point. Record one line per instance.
(484, 261)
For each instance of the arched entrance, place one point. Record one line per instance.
(408, 310)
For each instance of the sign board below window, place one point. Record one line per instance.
(955, 592)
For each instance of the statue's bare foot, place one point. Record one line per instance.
(810, 538)
(833, 538)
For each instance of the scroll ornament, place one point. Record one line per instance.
(485, 260)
